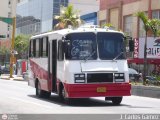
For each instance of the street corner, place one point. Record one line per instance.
(5, 77)
(15, 77)
(18, 78)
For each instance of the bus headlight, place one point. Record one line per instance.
(119, 77)
(79, 78)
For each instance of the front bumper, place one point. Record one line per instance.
(97, 90)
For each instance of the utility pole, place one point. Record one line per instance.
(12, 58)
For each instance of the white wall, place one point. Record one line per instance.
(153, 48)
(5, 8)
(85, 6)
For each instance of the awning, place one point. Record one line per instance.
(141, 61)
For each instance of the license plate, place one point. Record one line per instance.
(132, 77)
(101, 89)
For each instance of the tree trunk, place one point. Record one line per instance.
(145, 61)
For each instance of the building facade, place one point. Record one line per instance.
(37, 16)
(121, 14)
(85, 6)
(7, 10)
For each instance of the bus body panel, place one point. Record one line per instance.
(77, 67)
(39, 70)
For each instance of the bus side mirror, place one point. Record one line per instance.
(66, 48)
(130, 42)
(131, 45)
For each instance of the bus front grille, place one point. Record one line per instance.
(99, 77)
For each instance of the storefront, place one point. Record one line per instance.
(153, 54)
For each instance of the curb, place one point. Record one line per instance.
(146, 91)
(6, 77)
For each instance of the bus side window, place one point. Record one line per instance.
(30, 48)
(37, 48)
(45, 47)
(60, 50)
(41, 47)
(34, 48)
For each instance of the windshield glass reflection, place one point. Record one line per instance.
(82, 46)
(110, 45)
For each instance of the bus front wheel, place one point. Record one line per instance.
(41, 93)
(115, 100)
(62, 95)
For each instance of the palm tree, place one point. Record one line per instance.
(109, 25)
(68, 17)
(149, 25)
(146, 26)
(155, 26)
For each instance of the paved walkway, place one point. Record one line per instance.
(15, 77)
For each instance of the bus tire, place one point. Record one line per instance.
(62, 93)
(41, 93)
(116, 100)
(62, 96)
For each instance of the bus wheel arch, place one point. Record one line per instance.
(63, 95)
(39, 92)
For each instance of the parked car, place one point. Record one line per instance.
(5, 69)
(133, 75)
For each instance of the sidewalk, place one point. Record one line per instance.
(15, 77)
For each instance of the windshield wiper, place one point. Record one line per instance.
(118, 56)
(90, 55)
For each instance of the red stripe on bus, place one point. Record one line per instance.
(90, 90)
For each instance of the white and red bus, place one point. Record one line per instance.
(79, 63)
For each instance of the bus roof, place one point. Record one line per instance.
(80, 29)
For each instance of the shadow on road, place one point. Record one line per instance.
(86, 102)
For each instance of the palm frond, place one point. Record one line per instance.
(144, 19)
(68, 17)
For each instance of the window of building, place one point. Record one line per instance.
(156, 14)
(128, 22)
(141, 28)
(9, 3)
(9, 14)
(102, 23)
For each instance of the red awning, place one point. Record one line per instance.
(141, 61)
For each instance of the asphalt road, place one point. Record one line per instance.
(16, 97)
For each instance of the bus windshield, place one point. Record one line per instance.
(110, 45)
(83, 46)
